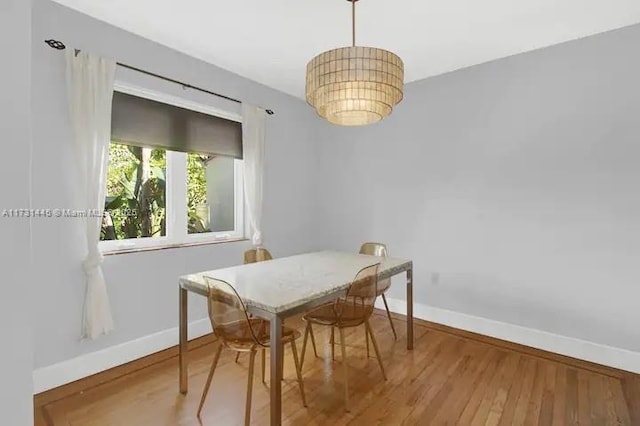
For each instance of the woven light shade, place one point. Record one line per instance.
(354, 86)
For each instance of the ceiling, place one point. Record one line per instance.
(271, 41)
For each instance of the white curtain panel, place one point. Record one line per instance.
(90, 91)
(253, 123)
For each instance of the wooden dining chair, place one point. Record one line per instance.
(379, 249)
(236, 331)
(352, 310)
(372, 249)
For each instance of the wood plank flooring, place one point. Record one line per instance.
(451, 377)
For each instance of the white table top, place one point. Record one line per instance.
(285, 283)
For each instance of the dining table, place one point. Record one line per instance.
(280, 288)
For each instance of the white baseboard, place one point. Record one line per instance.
(589, 351)
(55, 375)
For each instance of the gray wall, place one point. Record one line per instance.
(514, 186)
(16, 302)
(143, 286)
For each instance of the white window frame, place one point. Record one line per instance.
(176, 189)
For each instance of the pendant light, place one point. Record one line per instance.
(355, 85)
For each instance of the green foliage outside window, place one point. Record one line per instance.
(197, 193)
(136, 193)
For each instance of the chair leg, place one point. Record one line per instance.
(237, 356)
(386, 306)
(333, 355)
(375, 347)
(263, 363)
(216, 357)
(298, 372)
(345, 369)
(313, 341)
(247, 413)
(366, 339)
(304, 344)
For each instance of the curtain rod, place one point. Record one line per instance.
(58, 45)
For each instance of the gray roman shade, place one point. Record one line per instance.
(143, 122)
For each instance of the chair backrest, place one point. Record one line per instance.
(362, 293)
(228, 314)
(374, 249)
(380, 250)
(258, 254)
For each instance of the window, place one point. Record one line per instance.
(210, 193)
(174, 174)
(135, 205)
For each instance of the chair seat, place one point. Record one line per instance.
(288, 335)
(383, 285)
(238, 335)
(353, 314)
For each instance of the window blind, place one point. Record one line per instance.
(147, 123)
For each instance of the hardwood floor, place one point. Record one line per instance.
(451, 377)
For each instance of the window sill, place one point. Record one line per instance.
(170, 246)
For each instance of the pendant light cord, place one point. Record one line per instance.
(353, 22)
